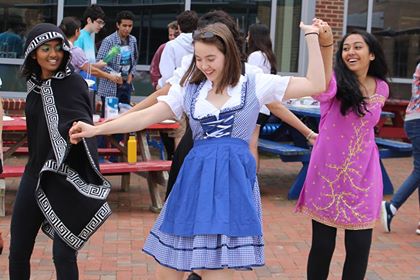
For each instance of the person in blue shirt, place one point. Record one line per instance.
(11, 42)
(93, 18)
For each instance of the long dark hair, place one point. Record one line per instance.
(259, 40)
(348, 86)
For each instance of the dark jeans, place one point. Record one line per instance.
(124, 93)
(412, 183)
(357, 243)
(26, 221)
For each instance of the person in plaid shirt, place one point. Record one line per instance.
(412, 183)
(123, 64)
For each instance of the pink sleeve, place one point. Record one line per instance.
(330, 93)
(383, 89)
(78, 58)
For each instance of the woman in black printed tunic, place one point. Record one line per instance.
(61, 190)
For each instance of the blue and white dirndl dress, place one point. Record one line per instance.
(212, 218)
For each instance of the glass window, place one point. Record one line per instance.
(357, 15)
(397, 27)
(11, 78)
(75, 8)
(245, 12)
(17, 18)
(286, 42)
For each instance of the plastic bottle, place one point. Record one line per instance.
(132, 148)
(113, 52)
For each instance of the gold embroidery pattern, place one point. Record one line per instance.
(340, 200)
(376, 99)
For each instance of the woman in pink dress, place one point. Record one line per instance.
(343, 187)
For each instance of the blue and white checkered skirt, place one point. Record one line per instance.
(205, 251)
(216, 251)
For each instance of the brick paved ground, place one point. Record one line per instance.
(114, 251)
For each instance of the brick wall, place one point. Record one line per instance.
(332, 11)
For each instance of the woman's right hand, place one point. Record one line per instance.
(81, 130)
(326, 37)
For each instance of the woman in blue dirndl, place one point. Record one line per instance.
(212, 219)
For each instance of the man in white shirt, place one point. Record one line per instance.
(177, 48)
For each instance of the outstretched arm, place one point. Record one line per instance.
(130, 122)
(280, 111)
(101, 74)
(314, 82)
(149, 100)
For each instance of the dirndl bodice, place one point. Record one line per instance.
(213, 193)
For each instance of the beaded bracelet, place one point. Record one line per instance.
(309, 33)
(310, 135)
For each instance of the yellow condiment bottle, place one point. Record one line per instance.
(132, 148)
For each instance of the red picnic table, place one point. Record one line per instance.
(154, 170)
(394, 128)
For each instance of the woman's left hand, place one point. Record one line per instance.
(309, 28)
(313, 138)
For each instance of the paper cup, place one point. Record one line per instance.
(90, 82)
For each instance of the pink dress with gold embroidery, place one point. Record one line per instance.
(343, 187)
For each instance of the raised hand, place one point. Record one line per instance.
(306, 28)
(326, 38)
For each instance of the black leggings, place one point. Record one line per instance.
(184, 147)
(357, 243)
(26, 221)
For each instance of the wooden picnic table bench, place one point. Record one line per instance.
(288, 152)
(151, 169)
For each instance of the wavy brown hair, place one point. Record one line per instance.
(223, 39)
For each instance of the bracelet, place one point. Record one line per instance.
(310, 135)
(310, 33)
(327, 46)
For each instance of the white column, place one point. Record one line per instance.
(60, 11)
